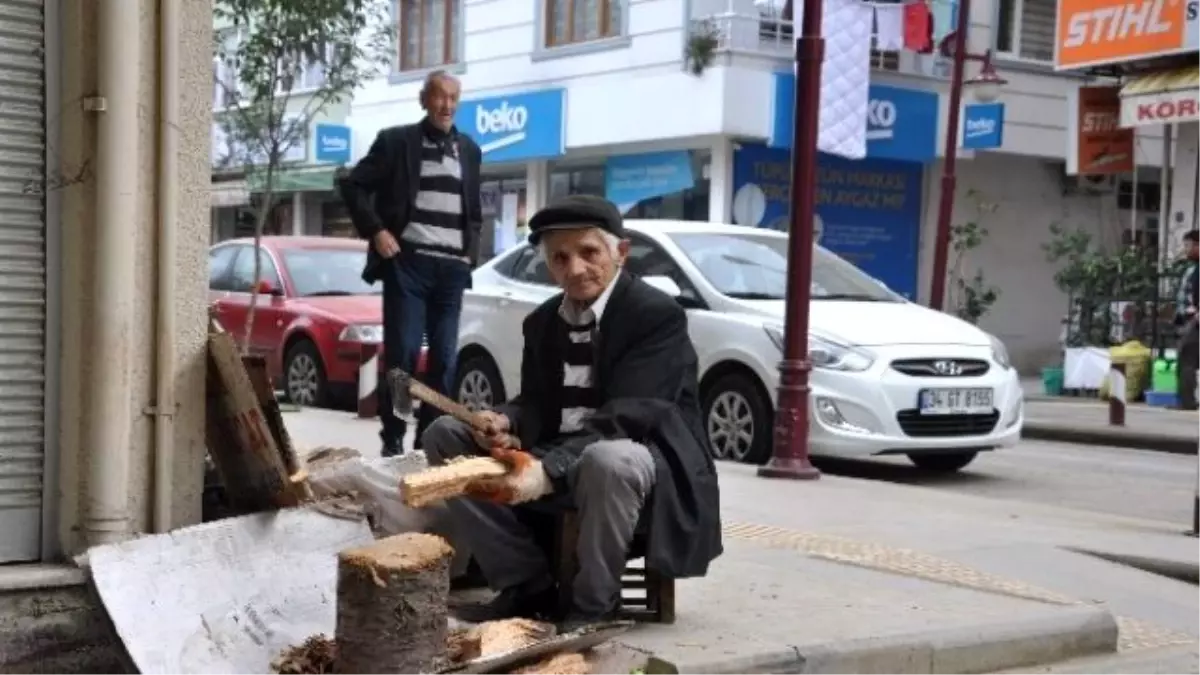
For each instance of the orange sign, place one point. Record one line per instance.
(1095, 32)
(1102, 147)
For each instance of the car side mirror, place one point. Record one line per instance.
(267, 288)
(665, 284)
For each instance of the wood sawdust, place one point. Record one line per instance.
(318, 653)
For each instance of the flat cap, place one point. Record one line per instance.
(575, 212)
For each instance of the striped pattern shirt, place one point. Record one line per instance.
(437, 222)
(580, 398)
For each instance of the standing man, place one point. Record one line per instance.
(1186, 305)
(415, 198)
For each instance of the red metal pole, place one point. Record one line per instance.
(790, 456)
(941, 249)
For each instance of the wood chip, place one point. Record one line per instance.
(499, 637)
(566, 663)
(316, 655)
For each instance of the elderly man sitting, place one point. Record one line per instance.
(609, 416)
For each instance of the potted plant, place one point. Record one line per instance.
(702, 45)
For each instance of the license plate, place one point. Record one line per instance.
(955, 401)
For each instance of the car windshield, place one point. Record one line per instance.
(328, 272)
(753, 266)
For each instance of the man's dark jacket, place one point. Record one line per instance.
(380, 190)
(646, 373)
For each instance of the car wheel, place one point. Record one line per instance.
(304, 375)
(477, 384)
(737, 418)
(942, 462)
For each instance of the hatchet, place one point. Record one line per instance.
(404, 387)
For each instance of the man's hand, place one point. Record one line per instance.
(495, 436)
(386, 244)
(526, 480)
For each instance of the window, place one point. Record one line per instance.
(646, 259)
(225, 76)
(532, 269)
(754, 267)
(690, 204)
(574, 21)
(1025, 29)
(218, 267)
(242, 275)
(328, 272)
(429, 33)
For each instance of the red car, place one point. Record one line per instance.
(314, 312)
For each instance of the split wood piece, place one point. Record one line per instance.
(238, 437)
(391, 605)
(449, 480)
(264, 389)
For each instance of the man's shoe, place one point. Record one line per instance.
(392, 449)
(521, 602)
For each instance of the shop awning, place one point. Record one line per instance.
(304, 179)
(228, 193)
(1164, 97)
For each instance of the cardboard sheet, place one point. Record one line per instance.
(227, 596)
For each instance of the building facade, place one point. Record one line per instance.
(679, 109)
(103, 298)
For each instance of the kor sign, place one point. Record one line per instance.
(881, 120)
(1165, 108)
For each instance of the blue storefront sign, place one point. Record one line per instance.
(629, 179)
(901, 123)
(333, 144)
(517, 127)
(870, 209)
(983, 126)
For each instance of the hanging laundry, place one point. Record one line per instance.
(918, 28)
(889, 28)
(945, 19)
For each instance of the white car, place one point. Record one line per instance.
(889, 376)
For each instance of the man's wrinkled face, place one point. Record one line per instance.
(582, 262)
(440, 101)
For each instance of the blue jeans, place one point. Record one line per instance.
(422, 296)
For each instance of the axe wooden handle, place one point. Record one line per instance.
(453, 408)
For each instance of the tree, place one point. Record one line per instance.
(278, 64)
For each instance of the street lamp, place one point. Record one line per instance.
(789, 458)
(986, 86)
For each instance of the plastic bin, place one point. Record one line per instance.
(1162, 399)
(1136, 357)
(1164, 378)
(1052, 380)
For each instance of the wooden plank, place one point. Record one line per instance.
(443, 482)
(264, 390)
(240, 441)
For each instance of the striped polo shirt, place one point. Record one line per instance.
(437, 222)
(580, 398)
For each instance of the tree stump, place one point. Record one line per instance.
(391, 605)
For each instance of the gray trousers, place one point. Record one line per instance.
(609, 484)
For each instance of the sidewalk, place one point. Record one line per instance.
(844, 575)
(1086, 421)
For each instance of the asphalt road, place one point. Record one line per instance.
(1133, 483)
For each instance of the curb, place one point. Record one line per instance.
(1075, 631)
(1138, 440)
(1179, 570)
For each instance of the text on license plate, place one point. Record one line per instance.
(955, 401)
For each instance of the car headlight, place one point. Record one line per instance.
(999, 353)
(825, 353)
(365, 333)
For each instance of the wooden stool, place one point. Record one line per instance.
(645, 595)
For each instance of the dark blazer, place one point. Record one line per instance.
(380, 190)
(646, 372)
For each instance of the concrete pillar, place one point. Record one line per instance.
(720, 185)
(1182, 216)
(537, 186)
(297, 213)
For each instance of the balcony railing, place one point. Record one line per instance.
(763, 33)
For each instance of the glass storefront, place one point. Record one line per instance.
(595, 177)
(504, 217)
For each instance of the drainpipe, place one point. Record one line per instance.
(168, 210)
(107, 395)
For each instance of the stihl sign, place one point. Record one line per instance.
(1094, 32)
(1165, 108)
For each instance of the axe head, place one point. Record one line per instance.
(398, 384)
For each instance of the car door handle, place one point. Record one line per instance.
(505, 299)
